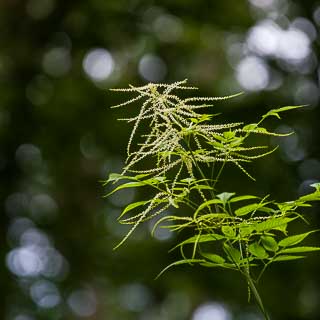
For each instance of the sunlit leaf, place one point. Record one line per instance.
(273, 224)
(225, 196)
(228, 231)
(247, 209)
(207, 204)
(258, 251)
(275, 112)
(293, 240)
(300, 249)
(241, 198)
(185, 261)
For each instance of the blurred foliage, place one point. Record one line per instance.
(59, 139)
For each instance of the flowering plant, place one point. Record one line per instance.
(180, 159)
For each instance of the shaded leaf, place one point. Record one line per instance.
(133, 205)
(269, 243)
(213, 257)
(234, 254)
(287, 258)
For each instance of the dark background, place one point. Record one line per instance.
(59, 139)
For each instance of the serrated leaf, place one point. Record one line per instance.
(295, 239)
(269, 243)
(213, 257)
(258, 251)
(287, 258)
(229, 134)
(300, 249)
(273, 224)
(246, 230)
(218, 137)
(228, 231)
(216, 144)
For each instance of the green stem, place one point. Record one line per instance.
(255, 294)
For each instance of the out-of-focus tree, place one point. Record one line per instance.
(59, 138)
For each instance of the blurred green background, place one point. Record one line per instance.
(59, 139)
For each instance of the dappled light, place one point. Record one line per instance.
(60, 142)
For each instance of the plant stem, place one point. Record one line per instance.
(255, 294)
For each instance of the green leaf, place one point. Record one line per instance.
(185, 261)
(241, 198)
(151, 181)
(202, 238)
(201, 187)
(228, 231)
(287, 258)
(117, 176)
(316, 185)
(275, 112)
(216, 144)
(229, 134)
(258, 251)
(207, 204)
(218, 137)
(133, 205)
(225, 196)
(234, 254)
(300, 249)
(293, 240)
(247, 209)
(246, 230)
(212, 216)
(273, 224)
(249, 127)
(187, 180)
(315, 196)
(213, 257)
(127, 185)
(269, 243)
